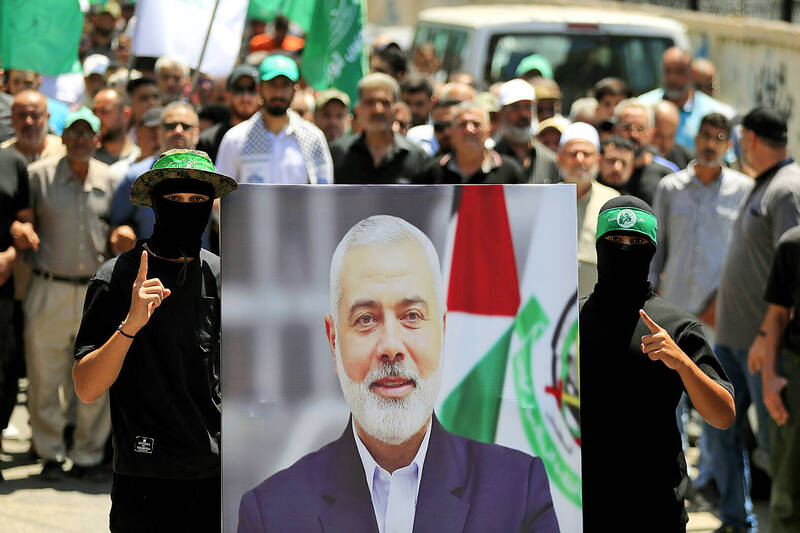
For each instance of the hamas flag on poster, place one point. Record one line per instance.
(511, 346)
(40, 35)
(334, 53)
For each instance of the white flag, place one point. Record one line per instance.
(177, 29)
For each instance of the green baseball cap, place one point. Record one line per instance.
(181, 164)
(535, 62)
(278, 65)
(86, 114)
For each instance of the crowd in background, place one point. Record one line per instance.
(695, 159)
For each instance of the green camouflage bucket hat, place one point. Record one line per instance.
(186, 164)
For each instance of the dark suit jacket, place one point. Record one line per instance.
(467, 486)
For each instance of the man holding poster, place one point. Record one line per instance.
(395, 467)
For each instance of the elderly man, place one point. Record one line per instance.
(517, 130)
(332, 113)
(172, 78)
(241, 93)
(276, 145)
(470, 161)
(109, 106)
(704, 76)
(377, 154)
(71, 199)
(178, 129)
(150, 336)
(395, 468)
(578, 159)
(678, 89)
(634, 121)
(766, 214)
(29, 117)
(642, 352)
(666, 119)
(434, 138)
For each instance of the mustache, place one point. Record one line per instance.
(393, 369)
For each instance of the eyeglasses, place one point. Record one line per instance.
(633, 127)
(439, 127)
(169, 126)
(708, 136)
(250, 89)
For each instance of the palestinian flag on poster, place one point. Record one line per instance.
(511, 346)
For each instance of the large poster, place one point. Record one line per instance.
(472, 289)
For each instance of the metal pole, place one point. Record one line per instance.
(196, 75)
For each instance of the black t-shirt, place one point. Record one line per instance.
(166, 401)
(634, 471)
(353, 163)
(502, 169)
(643, 182)
(14, 195)
(211, 138)
(783, 286)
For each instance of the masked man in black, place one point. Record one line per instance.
(150, 333)
(638, 354)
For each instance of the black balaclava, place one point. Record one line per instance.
(622, 269)
(179, 226)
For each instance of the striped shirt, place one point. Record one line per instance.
(694, 228)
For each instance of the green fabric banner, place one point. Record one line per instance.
(334, 53)
(298, 11)
(41, 35)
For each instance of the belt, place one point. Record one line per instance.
(83, 280)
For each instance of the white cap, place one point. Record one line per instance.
(516, 90)
(95, 64)
(580, 130)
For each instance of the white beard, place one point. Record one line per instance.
(392, 421)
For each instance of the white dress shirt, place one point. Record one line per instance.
(394, 496)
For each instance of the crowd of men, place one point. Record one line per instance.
(720, 181)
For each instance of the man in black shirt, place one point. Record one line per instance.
(377, 155)
(470, 161)
(776, 354)
(156, 346)
(13, 203)
(641, 365)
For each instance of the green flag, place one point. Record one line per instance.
(334, 53)
(41, 35)
(298, 11)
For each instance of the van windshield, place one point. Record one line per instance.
(580, 60)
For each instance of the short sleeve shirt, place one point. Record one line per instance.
(783, 286)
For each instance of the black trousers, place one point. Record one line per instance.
(150, 505)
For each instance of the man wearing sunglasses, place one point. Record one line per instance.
(241, 95)
(179, 129)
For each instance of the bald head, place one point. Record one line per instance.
(703, 74)
(29, 118)
(666, 118)
(677, 64)
(456, 91)
(110, 108)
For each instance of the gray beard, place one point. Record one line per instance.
(392, 421)
(517, 135)
(675, 94)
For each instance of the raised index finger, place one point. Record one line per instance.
(652, 326)
(142, 274)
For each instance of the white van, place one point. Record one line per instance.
(582, 44)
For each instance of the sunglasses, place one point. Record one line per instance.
(169, 126)
(439, 127)
(250, 89)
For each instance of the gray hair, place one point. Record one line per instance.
(167, 62)
(634, 103)
(376, 230)
(583, 109)
(469, 106)
(174, 105)
(378, 80)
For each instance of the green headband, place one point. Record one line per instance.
(185, 160)
(627, 219)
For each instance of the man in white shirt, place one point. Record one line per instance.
(395, 466)
(276, 145)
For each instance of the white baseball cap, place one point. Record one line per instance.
(580, 130)
(516, 90)
(95, 64)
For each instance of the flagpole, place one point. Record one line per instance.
(196, 75)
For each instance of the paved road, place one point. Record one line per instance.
(28, 505)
